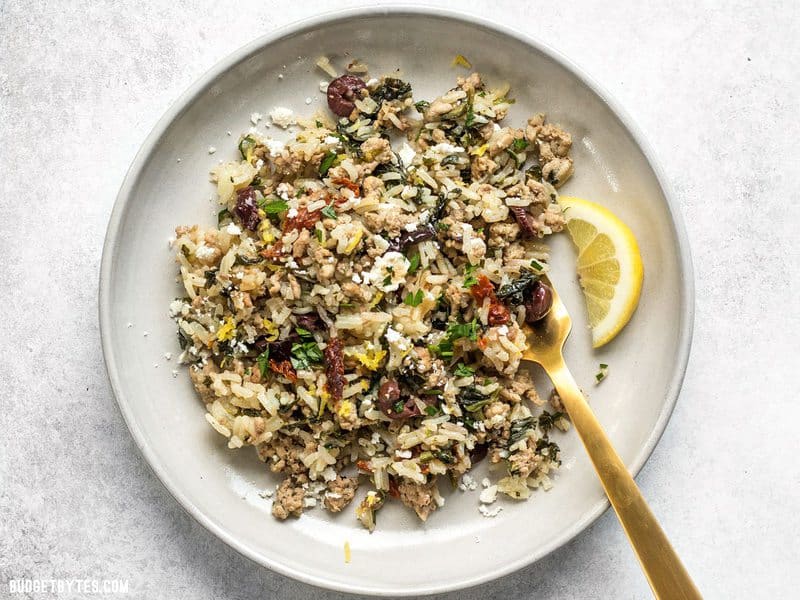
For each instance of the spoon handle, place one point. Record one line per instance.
(666, 574)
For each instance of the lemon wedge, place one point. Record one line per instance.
(609, 266)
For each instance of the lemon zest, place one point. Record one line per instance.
(461, 61)
(479, 151)
(345, 409)
(272, 330)
(371, 359)
(227, 330)
(354, 242)
(378, 297)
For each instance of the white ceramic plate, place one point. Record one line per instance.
(457, 547)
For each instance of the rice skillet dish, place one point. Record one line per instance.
(356, 314)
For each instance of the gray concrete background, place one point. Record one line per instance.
(715, 89)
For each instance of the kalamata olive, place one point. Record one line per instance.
(388, 395)
(343, 93)
(310, 321)
(538, 302)
(524, 220)
(247, 208)
(478, 453)
(406, 238)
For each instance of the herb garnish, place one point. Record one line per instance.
(519, 429)
(470, 279)
(414, 299)
(304, 354)
(413, 264)
(329, 212)
(602, 373)
(273, 207)
(327, 163)
(263, 362)
(520, 144)
(463, 370)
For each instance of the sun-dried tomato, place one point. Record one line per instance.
(303, 220)
(498, 312)
(363, 465)
(350, 185)
(482, 343)
(285, 368)
(334, 368)
(274, 251)
(394, 491)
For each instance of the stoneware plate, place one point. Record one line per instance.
(168, 185)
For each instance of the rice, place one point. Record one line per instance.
(353, 316)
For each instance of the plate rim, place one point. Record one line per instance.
(206, 80)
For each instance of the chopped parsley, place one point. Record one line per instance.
(455, 331)
(414, 299)
(303, 333)
(472, 400)
(327, 163)
(535, 264)
(329, 212)
(469, 277)
(304, 354)
(463, 370)
(399, 406)
(602, 373)
(422, 106)
(246, 145)
(223, 215)
(520, 144)
(263, 362)
(273, 207)
(413, 264)
(318, 234)
(431, 411)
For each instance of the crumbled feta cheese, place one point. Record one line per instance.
(485, 482)
(372, 82)
(308, 100)
(331, 139)
(308, 501)
(392, 335)
(211, 149)
(280, 75)
(256, 117)
(283, 193)
(233, 229)
(403, 453)
(204, 252)
(489, 512)
(266, 494)
(259, 163)
(356, 278)
(174, 373)
(489, 495)
(167, 355)
(467, 483)
(406, 154)
(129, 325)
(502, 330)
(291, 213)
(323, 87)
(146, 333)
(439, 501)
(275, 147)
(410, 226)
(445, 148)
(389, 271)
(282, 116)
(228, 133)
(155, 365)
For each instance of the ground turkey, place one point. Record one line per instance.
(340, 493)
(420, 497)
(288, 500)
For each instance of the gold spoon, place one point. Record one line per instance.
(665, 572)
